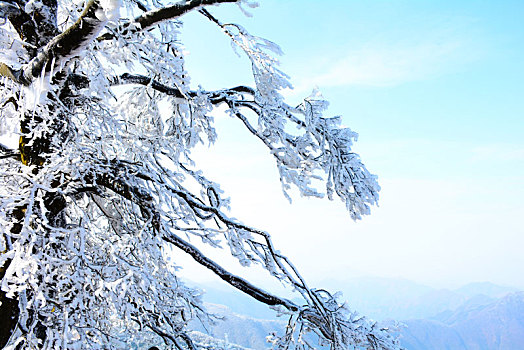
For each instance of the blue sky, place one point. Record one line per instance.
(436, 91)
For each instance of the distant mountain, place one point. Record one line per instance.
(478, 316)
(485, 288)
(237, 301)
(239, 329)
(430, 334)
(376, 298)
(498, 325)
(388, 298)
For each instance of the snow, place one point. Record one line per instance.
(36, 93)
(111, 10)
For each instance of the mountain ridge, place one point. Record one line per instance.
(477, 316)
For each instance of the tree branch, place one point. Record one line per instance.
(8, 153)
(156, 16)
(115, 183)
(127, 78)
(167, 336)
(151, 18)
(215, 96)
(61, 48)
(321, 312)
(235, 281)
(22, 23)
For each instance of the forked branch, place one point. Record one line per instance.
(61, 48)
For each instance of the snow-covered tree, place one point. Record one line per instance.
(103, 182)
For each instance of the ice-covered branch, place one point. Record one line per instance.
(176, 10)
(215, 96)
(320, 148)
(5, 152)
(21, 22)
(235, 281)
(320, 312)
(64, 46)
(156, 16)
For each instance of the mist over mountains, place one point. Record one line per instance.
(496, 325)
(476, 316)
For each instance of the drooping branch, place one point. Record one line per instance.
(233, 97)
(116, 184)
(315, 312)
(323, 146)
(235, 281)
(321, 313)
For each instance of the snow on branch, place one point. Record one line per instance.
(324, 145)
(67, 44)
(176, 10)
(21, 21)
(235, 281)
(157, 16)
(321, 312)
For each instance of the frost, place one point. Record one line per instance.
(111, 10)
(36, 93)
(101, 184)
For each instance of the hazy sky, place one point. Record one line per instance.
(436, 91)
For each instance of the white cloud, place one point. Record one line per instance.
(376, 66)
(500, 152)
(391, 59)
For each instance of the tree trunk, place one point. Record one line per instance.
(53, 202)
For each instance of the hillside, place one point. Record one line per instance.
(479, 316)
(498, 325)
(239, 329)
